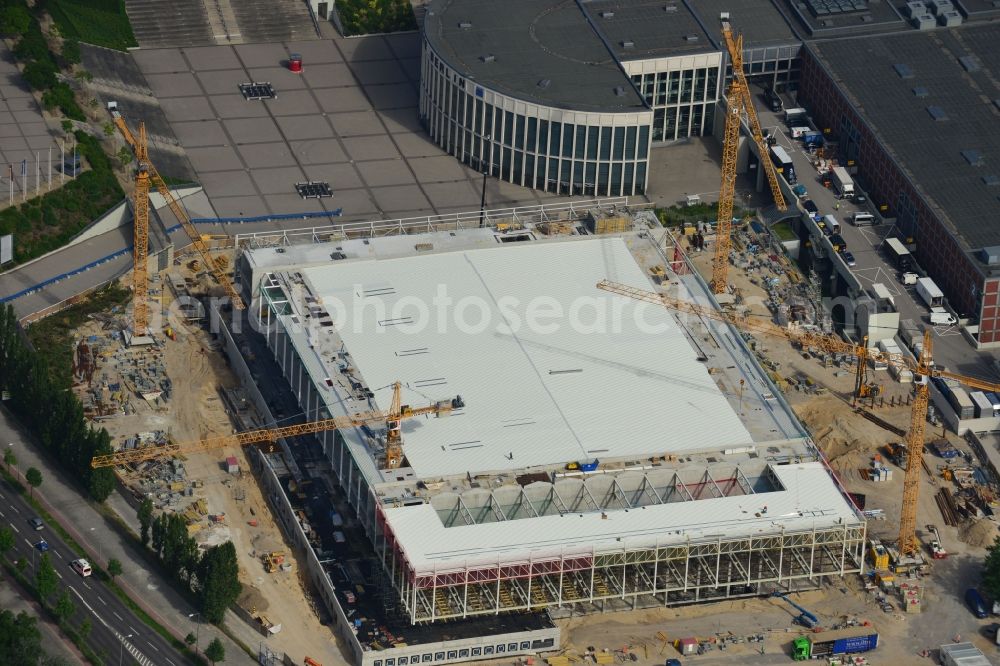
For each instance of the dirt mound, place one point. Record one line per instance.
(978, 533)
(847, 439)
(251, 599)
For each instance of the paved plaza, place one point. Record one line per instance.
(349, 119)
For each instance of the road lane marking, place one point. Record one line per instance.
(153, 646)
(101, 599)
(85, 585)
(59, 574)
(14, 528)
(30, 545)
(1, 515)
(169, 662)
(134, 630)
(16, 510)
(118, 616)
(58, 554)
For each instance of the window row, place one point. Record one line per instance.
(683, 121)
(684, 87)
(465, 653)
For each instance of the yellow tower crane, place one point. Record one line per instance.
(392, 417)
(740, 100)
(923, 369)
(140, 243)
(157, 181)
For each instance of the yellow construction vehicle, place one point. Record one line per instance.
(923, 369)
(393, 454)
(273, 561)
(739, 100)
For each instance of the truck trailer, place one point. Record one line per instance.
(842, 181)
(929, 292)
(829, 643)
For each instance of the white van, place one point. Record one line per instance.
(861, 219)
(942, 316)
(832, 224)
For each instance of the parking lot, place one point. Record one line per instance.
(951, 348)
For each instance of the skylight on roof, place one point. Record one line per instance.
(937, 113)
(903, 70)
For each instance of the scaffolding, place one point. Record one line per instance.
(695, 571)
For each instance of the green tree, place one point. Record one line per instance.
(109, 129)
(85, 627)
(145, 515)
(125, 155)
(159, 530)
(64, 608)
(218, 581)
(114, 568)
(20, 640)
(215, 652)
(190, 639)
(21, 564)
(46, 578)
(9, 458)
(71, 51)
(14, 20)
(991, 570)
(34, 478)
(40, 74)
(6, 540)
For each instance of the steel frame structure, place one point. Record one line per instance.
(663, 575)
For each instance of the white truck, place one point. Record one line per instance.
(842, 181)
(929, 293)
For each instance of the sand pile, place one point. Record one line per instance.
(848, 440)
(978, 533)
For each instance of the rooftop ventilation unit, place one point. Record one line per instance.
(991, 180)
(544, 83)
(465, 25)
(690, 38)
(920, 91)
(973, 157)
(670, 9)
(619, 91)
(950, 19)
(937, 113)
(938, 7)
(923, 22)
(990, 255)
(628, 44)
(607, 15)
(914, 8)
(903, 71)
(489, 57)
(866, 18)
(970, 63)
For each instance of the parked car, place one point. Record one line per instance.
(810, 207)
(838, 242)
(848, 258)
(976, 603)
(82, 567)
(673, 662)
(42, 545)
(36, 523)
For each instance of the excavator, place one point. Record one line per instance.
(396, 413)
(923, 369)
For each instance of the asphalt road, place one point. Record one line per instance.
(117, 632)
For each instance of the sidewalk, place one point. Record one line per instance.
(102, 541)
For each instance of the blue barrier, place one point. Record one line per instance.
(63, 276)
(260, 218)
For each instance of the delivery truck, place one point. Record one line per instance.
(842, 182)
(783, 164)
(900, 256)
(829, 643)
(929, 293)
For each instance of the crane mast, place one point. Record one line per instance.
(161, 186)
(740, 101)
(140, 232)
(923, 369)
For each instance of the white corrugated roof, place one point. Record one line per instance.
(963, 654)
(532, 398)
(810, 499)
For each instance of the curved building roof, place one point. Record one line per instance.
(545, 52)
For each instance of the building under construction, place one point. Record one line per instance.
(604, 455)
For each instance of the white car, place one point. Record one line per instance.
(82, 567)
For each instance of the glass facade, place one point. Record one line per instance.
(777, 66)
(544, 148)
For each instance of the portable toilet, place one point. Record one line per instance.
(295, 63)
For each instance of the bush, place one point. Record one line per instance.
(61, 96)
(363, 17)
(40, 74)
(71, 52)
(14, 20)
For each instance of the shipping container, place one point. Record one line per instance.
(962, 403)
(984, 408)
(795, 116)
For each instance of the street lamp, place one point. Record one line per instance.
(121, 649)
(100, 553)
(489, 161)
(197, 631)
